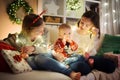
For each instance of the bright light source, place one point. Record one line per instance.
(105, 4)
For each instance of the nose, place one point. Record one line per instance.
(42, 32)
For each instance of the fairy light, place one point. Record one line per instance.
(105, 4)
(73, 27)
(105, 23)
(113, 11)
(114, 21)
(106, 14)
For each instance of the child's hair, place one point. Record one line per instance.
(94, 17)
(28, 24)
(64, 26)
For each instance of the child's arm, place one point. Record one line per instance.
(73, 45)
(59, 49)
(58, 46)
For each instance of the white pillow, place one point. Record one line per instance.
(16, 67)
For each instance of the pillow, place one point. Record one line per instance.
(110, 43)
(16, 67)
(3, 65)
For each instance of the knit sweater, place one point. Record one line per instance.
(19, 40)
(86, 43)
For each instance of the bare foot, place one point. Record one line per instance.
(75, 75)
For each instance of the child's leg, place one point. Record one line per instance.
(49, 63)
(109, 66)
(103, 64)
(80, 66)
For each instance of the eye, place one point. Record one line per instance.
(69, 33)
(64, 33)
(82, 23)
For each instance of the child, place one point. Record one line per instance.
(65, 46)
(87, 36)
(87, 33)
(64, 49)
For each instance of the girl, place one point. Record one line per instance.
(87, 37)
(32, 42)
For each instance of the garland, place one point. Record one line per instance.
(14, 7)
(73, 4)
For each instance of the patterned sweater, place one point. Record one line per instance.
(66, 48)
(85, 43)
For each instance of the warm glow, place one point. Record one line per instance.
(105, 23)
(105, 4)
(73, 27)
(113, 11)
(114, 21)
(106, 14)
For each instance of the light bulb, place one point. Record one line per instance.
(106, 14)
(113, 11)
(105, 4)
(114, 21)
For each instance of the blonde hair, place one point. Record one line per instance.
(64, 26)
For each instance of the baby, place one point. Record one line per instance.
(65, 46)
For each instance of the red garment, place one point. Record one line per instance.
(60, 45)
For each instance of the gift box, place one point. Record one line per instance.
(114, 57)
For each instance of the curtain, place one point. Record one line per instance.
(110, 17)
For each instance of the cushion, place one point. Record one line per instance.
(114, 57)
(110, 43)
(16, 67)
(3, 65)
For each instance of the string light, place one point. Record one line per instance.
(73, 27)
(105, 23)
(113, 11)
(106, 14)
(114, 21)
(105, 4)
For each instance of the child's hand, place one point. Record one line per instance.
(74, 47)
(86, 55)
(95, 31)
(50, 46)
(27, 49)
(24, 55)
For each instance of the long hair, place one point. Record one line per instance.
(94, 17)
(28, 24)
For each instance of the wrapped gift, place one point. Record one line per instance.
(114, 57)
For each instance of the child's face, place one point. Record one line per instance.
(85, 24)
(65, 33)
(38, 31)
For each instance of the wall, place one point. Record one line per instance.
(6, 26)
